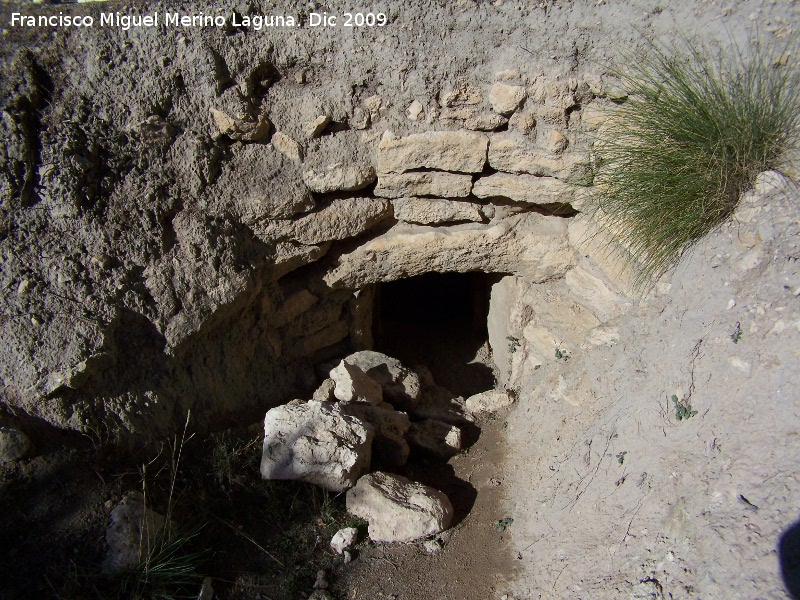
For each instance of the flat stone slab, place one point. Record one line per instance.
(459, 151)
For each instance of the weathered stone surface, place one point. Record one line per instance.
(134, 531)
(311, 442)
(433, 211)
(344, 539)
(530, 244)
(397, 509)
(463, 93)
(359, 120)
(324, 393)
(592, 117)
(294, 306)
(389, 444)
(287, 146)
(490, 401)
(429, 183)
(595, 293)
(343, 218)
(524, 188)
(459, 151)
(14, 444)
(259, 183)
(556, 142)
(291, 255)
(436, 437)
(239, 129)
(401, 386)
(505, 99)
(512, 155)
(339, 177)
(354, 385)
(485, 122)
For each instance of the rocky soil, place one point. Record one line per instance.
(199, 223)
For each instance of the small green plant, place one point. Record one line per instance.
(695, 131)
(513, 344)
(503, 523)
(562, 354)
(621, 457)
(683, 410)
(737, 333)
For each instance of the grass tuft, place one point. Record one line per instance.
(694, 133)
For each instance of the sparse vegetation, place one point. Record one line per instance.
(737, 333)
(683, 409)
(695, 131)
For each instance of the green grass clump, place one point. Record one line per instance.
(695, 131)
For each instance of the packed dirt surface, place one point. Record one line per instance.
(195, 220)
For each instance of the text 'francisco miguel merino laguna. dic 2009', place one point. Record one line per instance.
(169, 19)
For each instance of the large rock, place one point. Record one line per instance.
(13, 444)
(428, 183)
(339, 176)
(397, 509)
(525, 188)
(313, 443)
(389, 445)
(530, 245)
(441, 439)
(434, 211)
(135, 532)
(459, 151)
(401, 386)
(352, 384)
(343, 218)
(511, 154)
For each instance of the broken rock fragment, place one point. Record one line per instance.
(310, 442)
(399, 510)
(352, 384)
(239, 129)
(389, 444)
(426, 183)
(344, 539)
(134, 532)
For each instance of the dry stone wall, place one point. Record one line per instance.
(196, 231)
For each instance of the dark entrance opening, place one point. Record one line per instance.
(438, 320)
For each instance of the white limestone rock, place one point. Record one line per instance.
(341, 219)
(344, 539)
(490, 401)
(525, 188)
(428, 183)
(415, 110)
(485, 122)
(352, 384)
(510, 154)
(315, 128)
(397, 509)
(313, 443)
(505, 99)
(458, 151)
(433, 211)
(287, 146)
(339, 176)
